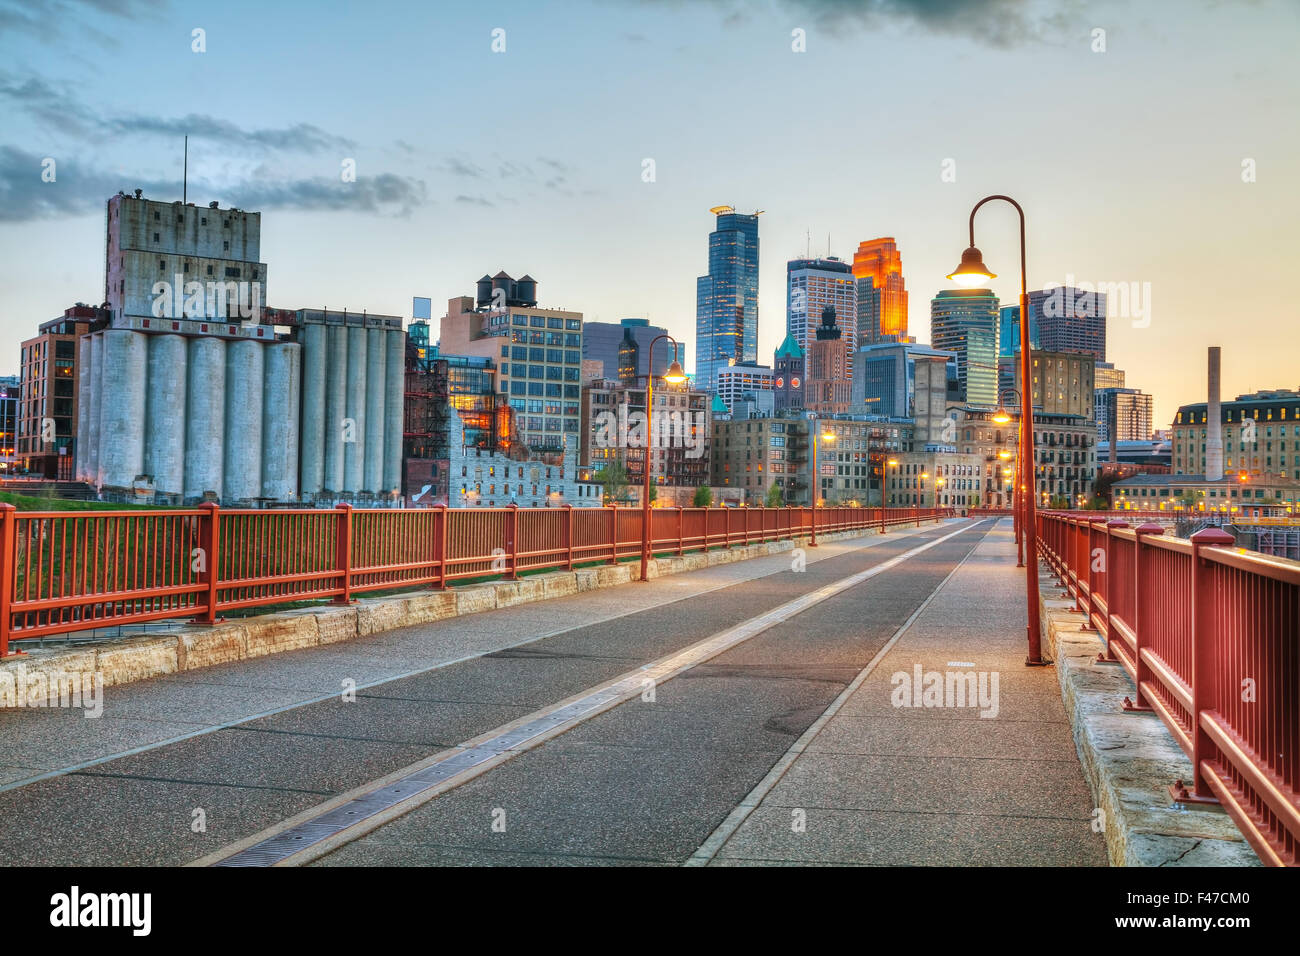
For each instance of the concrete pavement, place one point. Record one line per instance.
(239, 748)
(880, 783)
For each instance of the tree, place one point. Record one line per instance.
(613, 481)
(703, 497)
(775, 499)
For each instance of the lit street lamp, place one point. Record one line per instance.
(827, 436)
(891, 463)
(972, 272)
(673, 376)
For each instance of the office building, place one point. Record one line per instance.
(726, 300)
(48, 404)
(1122, 414)
(610, 342)
(903, 380)
(812, 286)
(881, 295)
(1062, 383)
(965, 322)
(828, 389)
(613, 429)
(538, 354)
(746, 379)
(1070, 320)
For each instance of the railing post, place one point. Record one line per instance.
(1205, 664)
(8, 571)
(1141, 622)
(568, 536)
(441, 533)
(613, 534)
(681, 531)
(1090, 524)
(812, 541)
(209, 542)
(512, 542)
(343, 551)
(1108, 655)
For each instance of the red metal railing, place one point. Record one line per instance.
(1210, 635)
(62, 572)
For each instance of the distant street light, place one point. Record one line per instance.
(828, 436)
(673, 376)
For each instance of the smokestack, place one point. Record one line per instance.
(1213, 425)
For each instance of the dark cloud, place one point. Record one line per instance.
(460, 167)
(80, 189)
(61, 110)
(474, 201)
(1001, 23)
(47, 19)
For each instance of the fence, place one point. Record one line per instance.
(62, 572)
(1210, 635)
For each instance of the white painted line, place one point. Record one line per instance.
(711, 847)
(321, 830)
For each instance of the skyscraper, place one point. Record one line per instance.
(1070, 320)
(829, 388)
(810, 286)
(965, 321)
(882, 299)
(726, 300)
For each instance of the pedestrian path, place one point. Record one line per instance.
(947, 750)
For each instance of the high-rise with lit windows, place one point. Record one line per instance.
(726, 300)
(881, 296)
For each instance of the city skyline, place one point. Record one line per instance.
(433, 212)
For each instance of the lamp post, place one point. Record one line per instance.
(972, 272)
(891, 463)
(673, 376)
(1003, 417)
(816, 484)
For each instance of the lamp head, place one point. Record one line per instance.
(972, 272)
(675, 374)
(1001, 416)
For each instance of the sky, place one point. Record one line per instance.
(1161, 153)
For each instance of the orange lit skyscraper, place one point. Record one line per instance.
(882, 300)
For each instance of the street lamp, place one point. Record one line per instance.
(891, 463)
(972, 272)
(1003, 417)
(673, 376)
(828, 436)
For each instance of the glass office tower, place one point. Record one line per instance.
(965, 321)
(726, 300)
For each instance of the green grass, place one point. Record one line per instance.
(50, 503)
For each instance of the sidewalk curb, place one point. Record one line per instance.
(1129, 759)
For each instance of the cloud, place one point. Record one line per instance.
(46, 19)
(474, 201)
(63, 111)
(999, 23)
(79, 189)
(460, 167)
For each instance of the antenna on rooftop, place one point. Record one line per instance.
(185, 173)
